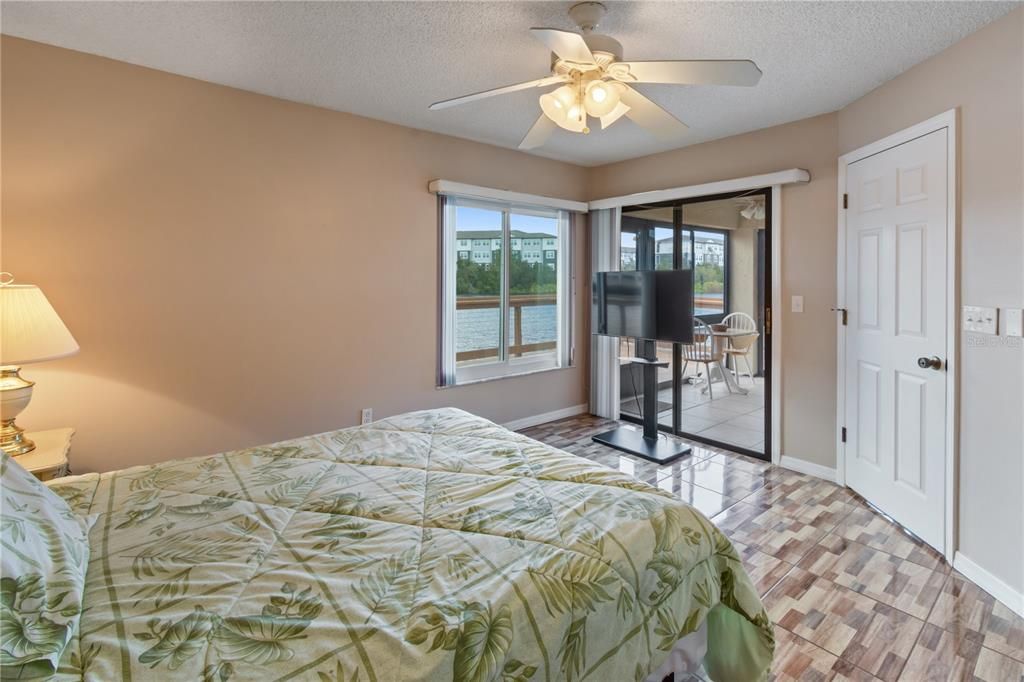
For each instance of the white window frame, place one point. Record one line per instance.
(450, 373)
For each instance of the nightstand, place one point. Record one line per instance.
(50, 458)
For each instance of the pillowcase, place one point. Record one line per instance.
(44, 552)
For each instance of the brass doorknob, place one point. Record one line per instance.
(933, 362)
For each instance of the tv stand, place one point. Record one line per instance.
(649, 444)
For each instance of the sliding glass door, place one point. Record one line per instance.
(714, 390)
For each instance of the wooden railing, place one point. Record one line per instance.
(701, 302)
(516, 303)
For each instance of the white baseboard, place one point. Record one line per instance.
(1013, 599)
(810, 468)
(536, 419)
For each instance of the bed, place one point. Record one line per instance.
(433, 545)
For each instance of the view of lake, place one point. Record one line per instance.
(478, 328)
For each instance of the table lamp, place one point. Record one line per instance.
(30, 331)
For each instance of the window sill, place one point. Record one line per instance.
(499, 377)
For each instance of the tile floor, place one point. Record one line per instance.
(732, 419)
(852, 596)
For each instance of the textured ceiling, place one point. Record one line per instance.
(389, 60)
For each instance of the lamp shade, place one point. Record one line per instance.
(30, 329)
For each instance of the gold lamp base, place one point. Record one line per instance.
(15, 394)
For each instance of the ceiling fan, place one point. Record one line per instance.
(595, 82)
(753, 209)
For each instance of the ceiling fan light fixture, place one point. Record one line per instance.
(564, 109)
(620, 110)
(567, 95)
(600, 98)
(557, 105)
(553, 108)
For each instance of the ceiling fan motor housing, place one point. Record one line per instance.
(587, 15)
(601, 43)
(603, 56)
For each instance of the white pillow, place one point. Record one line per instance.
(44, 551)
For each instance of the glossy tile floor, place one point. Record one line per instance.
(729, 418)
(851, 595)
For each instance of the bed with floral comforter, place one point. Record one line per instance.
(434, 545)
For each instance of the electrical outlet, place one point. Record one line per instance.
(798, 304)
(981, 320)
(1013, 322)
(366, 416)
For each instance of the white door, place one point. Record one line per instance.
(896, 277)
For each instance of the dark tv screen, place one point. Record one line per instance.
(646, 304)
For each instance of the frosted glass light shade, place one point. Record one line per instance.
(30, 329)
(563, 107)
(618, 112)
(601, 98)
(553, 108)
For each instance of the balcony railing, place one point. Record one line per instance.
(516, 303)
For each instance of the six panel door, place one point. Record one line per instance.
(896, 276)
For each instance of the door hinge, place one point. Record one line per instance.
(842, 434)
(846, 200)
(844, 311)
(767, 320)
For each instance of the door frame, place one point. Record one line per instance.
(948, 121)
(771, 279)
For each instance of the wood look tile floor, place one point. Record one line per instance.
(852, 596)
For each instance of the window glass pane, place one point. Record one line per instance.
(687, 250)
(627, 261)
(627, 251)
(708, 273)
(478, 281)
(663, 248)
(533, 285)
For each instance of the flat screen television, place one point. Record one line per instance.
(646, 304)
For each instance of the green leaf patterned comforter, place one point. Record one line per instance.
(434, 545)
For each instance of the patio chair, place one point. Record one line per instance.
(703, 351)
(739, 346)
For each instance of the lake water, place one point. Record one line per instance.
(478, 328)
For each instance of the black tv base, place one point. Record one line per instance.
(650, 443)
(661, 450)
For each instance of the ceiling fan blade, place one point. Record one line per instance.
(539, 133)
(539, 83)
(567, 45)
(692, 72)
(651, 117)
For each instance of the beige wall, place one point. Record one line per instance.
(808, 254)
(237, 269)
(983, 76)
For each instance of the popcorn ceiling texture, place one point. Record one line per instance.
(388, 61)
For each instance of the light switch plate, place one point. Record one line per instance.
(1013, 322)
(798, 304)
(980, 319)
